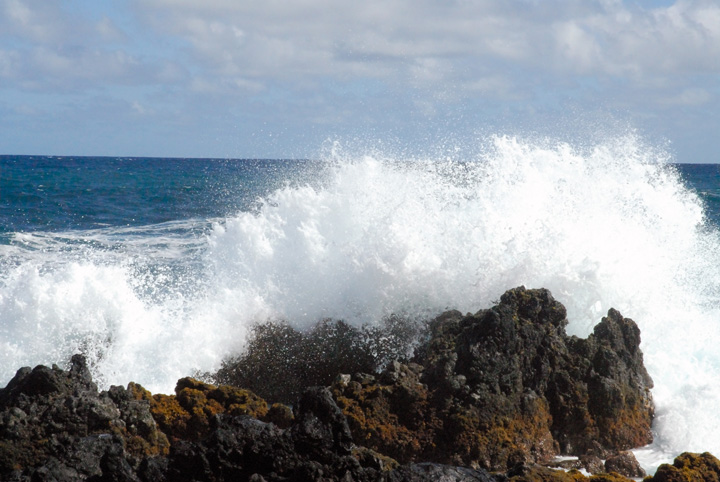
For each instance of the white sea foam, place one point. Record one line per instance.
(606, 225)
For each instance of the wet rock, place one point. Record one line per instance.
(280, 361)
(281, 415)
(394, 419)
(429, 472)
(501, 389)
(506, 386)
(689, 467)
(317, 446)
(519, 365)
(186, 415)
(55, 425)
(537, 473)
(591, 464)
(236, 448)
(624, 463)
(320, 427)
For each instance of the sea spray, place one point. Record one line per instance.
(603, 225)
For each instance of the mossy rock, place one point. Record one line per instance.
(537, 473)
(689, 467)
(395, 420)
(187, 414)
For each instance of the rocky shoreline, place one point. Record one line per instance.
(490, 396)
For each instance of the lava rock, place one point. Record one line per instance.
(501, 389)
(429, 472)
(504, 387)
(688, 467)
(626, 464)
(55, 425)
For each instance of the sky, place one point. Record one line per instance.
(284, 79)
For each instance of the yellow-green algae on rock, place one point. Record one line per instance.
(186, 415)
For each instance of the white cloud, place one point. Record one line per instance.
(683, 38)
(46, 47)
(429, 43)
(328, 61)
(31, 20)
(8, 63)
(426, 43)
(108, 31)
(577, 48)
(689, 97)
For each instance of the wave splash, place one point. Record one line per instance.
(607, 225)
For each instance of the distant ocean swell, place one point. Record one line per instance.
(605, 225)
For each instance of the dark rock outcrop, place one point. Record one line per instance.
(316, 447)
(56, 426)
(502, 390)
(507, 386)
(280, 362)
(626, 464)
(689, 467)
(55, 422)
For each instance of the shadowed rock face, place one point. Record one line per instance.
(499, 390)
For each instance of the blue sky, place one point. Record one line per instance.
(237, 78)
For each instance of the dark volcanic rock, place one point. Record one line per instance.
(689, 467)
(624, 463)
(513, 371)
(392, 415)
(428, 472)
(502, 389)
(54, 425)
(316, 447)
(280, 361)
(507, 386)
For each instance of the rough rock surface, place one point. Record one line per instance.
(279, 362)
(55, 422)
(689, 467)
(56, 426)
(626, 464)
(501, 390)
(507, 386)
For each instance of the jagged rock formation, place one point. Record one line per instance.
(499, 390)
(58, 423)
(507, 386)
(55, 425)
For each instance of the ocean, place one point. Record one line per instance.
(158, 268)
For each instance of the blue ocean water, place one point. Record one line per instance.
(156, 268)
(704, 179)
(51, 193)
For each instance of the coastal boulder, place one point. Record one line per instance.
(626, 464)
(317, 446)
(689, 467)
(54, 421)
(517, 369)
(391, 413)
(506, 386)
